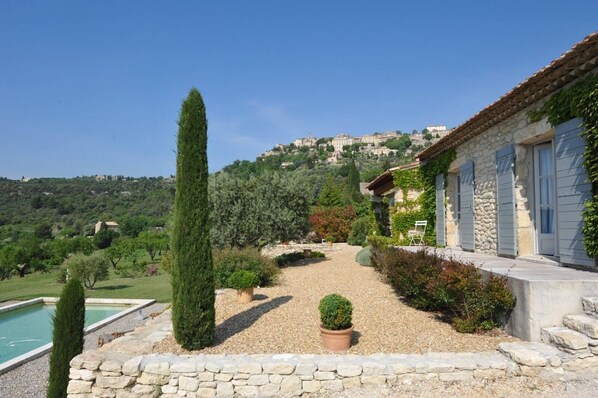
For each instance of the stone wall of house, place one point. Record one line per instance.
(482, 149)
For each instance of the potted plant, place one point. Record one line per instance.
(244, 282)
(336, 329)
(329, 240)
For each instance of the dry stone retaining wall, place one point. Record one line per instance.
(127, 368)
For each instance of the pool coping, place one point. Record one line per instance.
(11, 364)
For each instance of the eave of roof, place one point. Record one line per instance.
(384, 179)
(578, 61)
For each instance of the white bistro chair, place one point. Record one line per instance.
(417, 234)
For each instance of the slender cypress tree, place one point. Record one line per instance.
(193, 312)
(353, 183)
(67, 337)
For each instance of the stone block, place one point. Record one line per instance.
(280, 368)
(586, 365)
(291, 385)
(214, 367)
(254, 368)
(82, 374)
(183, 367)
(582, 323)
(324, 375)
(351, 382)
(332, 385)
(524, 354)
(148, 378)
(114, 382)
(326, 366)
(79, 387)
(225, 390)
(207, 384)
(305, 369)
(111, 366)
(247, 391)
(144, 389)
(258, 380)
(188, 383)
(103, 392)
(402, 368)
(223, 377)
(205, 393)
(269, 390)
(132, 367)
(157, 368)
(373, 369)
(565, 338)
(205, 376)
(241, 376)
(348, 370)
(167, 389)
(311, 386)
(275, 379)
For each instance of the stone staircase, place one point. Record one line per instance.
(579, 334)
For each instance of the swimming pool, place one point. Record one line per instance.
(26, 328)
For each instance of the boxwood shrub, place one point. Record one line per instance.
(227, 261)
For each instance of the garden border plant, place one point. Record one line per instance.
(458, 290)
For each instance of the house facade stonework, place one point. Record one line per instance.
(518, 187)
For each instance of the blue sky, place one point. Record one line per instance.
(95, 87)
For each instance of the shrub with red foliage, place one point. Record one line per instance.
(333, 221)
(457, 289)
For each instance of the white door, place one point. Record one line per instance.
(545, 199)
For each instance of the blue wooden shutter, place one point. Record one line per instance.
(505, 193)
(573, 190)
(440, 213)
(466, 224)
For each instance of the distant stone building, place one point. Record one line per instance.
(340, 140)
(309, 141)
(110, 226)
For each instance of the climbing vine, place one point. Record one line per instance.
(580, 101)
(408, 210)
(428, 171)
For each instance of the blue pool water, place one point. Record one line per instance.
(28, 328)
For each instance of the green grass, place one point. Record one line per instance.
(38, 285)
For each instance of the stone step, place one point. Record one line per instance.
(582, 323)
(565, 339)
(590, 305)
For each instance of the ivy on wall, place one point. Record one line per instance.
(580, 101)
(407, 211)
(423, 179)
(428, 171)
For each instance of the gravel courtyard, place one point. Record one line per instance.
(285, 318)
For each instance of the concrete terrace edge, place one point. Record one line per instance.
(128, 367)
(41, 351)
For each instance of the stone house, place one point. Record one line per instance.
(517, 188)
(110, 226)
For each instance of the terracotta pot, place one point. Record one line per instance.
(336, 340)
(329, 243)
(245, 296)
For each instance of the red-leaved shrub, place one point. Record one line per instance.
(333, 221)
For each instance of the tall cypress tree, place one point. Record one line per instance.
(193, 312)
(67, 337)
(353, 183)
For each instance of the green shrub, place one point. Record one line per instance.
(243, 280)
(166, 262)
(457, 289)
(288, 258)
(364, 256)
(317, 254)
(335, 312)
(67, 336)
(227, 261)
(359, 231)
(88, 269)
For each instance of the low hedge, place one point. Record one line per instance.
(227, 261)
(429, 282)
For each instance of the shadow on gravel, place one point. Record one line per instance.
(355, 337)
(304, 262)
(238, 323)
(259, 297)
(115, 287)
